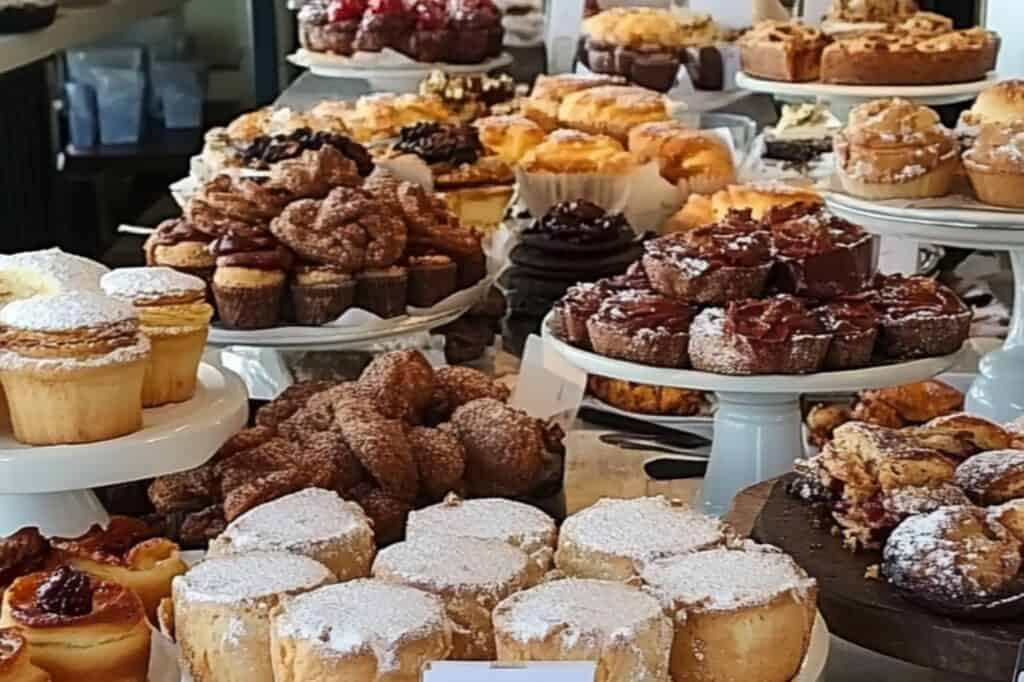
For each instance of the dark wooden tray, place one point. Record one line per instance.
(869, 612)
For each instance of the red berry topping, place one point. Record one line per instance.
(387, 7)
(484, 5)
(431, 15)
(345, 10)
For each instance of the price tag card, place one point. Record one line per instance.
(565, 21)
(450, 671)
(548, 385)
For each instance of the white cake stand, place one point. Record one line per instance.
(50, 487)
(998, 391)
(400, 75)
(758, 425)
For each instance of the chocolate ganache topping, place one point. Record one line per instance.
(580, 222)
(66, 592)
(724, 244)
(772, 320)
(636, 311)
(270, 149)
(441, 143)
(251, 250)
(848, 317)
(802, 230)
(898, 296)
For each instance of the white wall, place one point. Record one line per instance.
(1006, 17)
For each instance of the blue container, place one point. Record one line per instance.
(183, 104)
(82, 61)
(121, 98)
(82, 114)
(181, 77)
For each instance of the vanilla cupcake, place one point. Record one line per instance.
(72, 366)
(174, 315)
(895, 149)
(995, 164)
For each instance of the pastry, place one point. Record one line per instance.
(16, 659)
(613, 538)
(313, 523)
(783, 51)
(383, 292)
(431, 280)
(695, 160)
(803, 134)
(20, 554)
(733, 609)
(515, 523)
(472, 96)
(550, 90)
(885, 11)
(642, 327)
(758, 198)
(72, 368)
(894, 149)
(177, 244)
(570, 314)
(359, 630)
(992, 477)
(321, 293)
(79, 627)
(1001, 103)
(250, 279)
(175, 317)
(648, 399)
(777, 335)
(854, 329)
(440, 461)
(126, 552)
(572, 151)
(469, 575)
(45, 273)
(266, 150)
(222, 612)
(382, 448)
(962, 435)
(619, 627)
(456, 386)
(613, 110)
(380, 116)
(915, 403)
(994, 164)
(920, 317)
(509, 137)
(478, 31)
(21, 16)
(1009, 514)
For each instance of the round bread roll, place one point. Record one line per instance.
(518, 524)
(696, 160)
(608, 540)
(15, 659)
(549, 91)
(624, 630)
(740, 614)
(222, 612)
(314, 523)
(469, 575)
(360, 630)
(613, 110)
(79, 627)
(1001, 103)
(992, 477)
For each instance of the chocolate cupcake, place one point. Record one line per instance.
(641, 327)
(383, 292)
(20, 16)
(250, 279)
(386, 23)
(854, 328)
(331, 27)
(321, 293)
(919, 317)
(430, 38)
(570, 314)
(479, 34)
(431, 280)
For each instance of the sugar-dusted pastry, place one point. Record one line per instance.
(549, 90)
(854, 329)
(995, 164)
(573, 151)
(613, 110)
(1001, 103)
(783, 51)
(920, 317)
(610, 539)
(15, 659)
(963, 435)
(469, 575)
(45, 273)
(381, 116)
(738, 613)
(72, 368)
(696, 160)
(175, 317)
(79, 627)
(993, 477)
(126, 552)
(644, 327)
(622, 629)
(509, 136)
(314, 523)
(222, 611)
(364, 630)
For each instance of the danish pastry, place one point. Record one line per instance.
(695, 160)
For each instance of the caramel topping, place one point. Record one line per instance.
(851, 317)
(113, 545)
(898, 296)
(80, 343)
(772, 320)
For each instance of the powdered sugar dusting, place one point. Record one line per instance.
(726, 579)
(458, 564)
(132, 284)
(66, 312)
(65, 271)
(140, 349)
(235, 579)
(988, 468)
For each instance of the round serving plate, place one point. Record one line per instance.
(48, 486)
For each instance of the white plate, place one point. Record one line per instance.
(334, 66)
(173, 438)
(926, 94)
(816, 660)
(972, 215)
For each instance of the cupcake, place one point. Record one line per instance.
(72, 368)
(321, 293)
(249, 283)
(854, 328)
(331, 27)
(430, 38)
(20, 16)
(478, 31)
(995, 164)
(642, 327)
(177, 244)
(432, 279)
(175, 317)
(919, 317)
(385, 24)
(383, 292)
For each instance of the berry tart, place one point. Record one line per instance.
(777, 335)
(386, 23)
(331, 26)
(854, 327)
(642, 327)
(919, 317)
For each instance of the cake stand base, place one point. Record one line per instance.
(66, 514)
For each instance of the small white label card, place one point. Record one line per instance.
(451, 671)
(548, 385)
(565, 21)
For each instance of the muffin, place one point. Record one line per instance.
(613, 110)
(642, 327)
(478, 33)
(175, 317)
(550, 90)
(919, 317)
(321, 293)
(177, 244)
(697, 161)
(854, 328)
(431, 280)
(383, 292)
(250, 280)
(995, 164)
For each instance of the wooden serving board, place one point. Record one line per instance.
(869, 612)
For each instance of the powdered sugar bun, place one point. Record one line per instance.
(314, 523)
(621, 628)
(609, 539)
(469, 575)
(66, 312)
(144, 285)
(359, 630)
(992, 477)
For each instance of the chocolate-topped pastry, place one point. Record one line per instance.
(453, 144)
(430, 38)
(249, 283)
(385, 24)
(578, 226)
(432, 278)
(330, 26)
(818, 254)
(570, 314)
(177, 244)
(267, 150)
(854, 328)
(642, 327)
(479, 34)
(21, 554)
(920, 317)
(777, 335)
(711, 265)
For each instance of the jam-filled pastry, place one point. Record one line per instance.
(128, 553)
(15, 659)
(20, 554)
(80, 628)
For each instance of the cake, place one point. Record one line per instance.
(783, 51)
(642, 327)
(920, 317)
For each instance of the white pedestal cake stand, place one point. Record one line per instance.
(998, 391)
(50, 487)
(758, 425)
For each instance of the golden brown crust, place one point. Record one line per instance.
(549, 91)
(999, 149)
(1001, 103)
(573, 151)
(698, 157)
(647, 399)
(509, 137)
(759, 198)
(126, 542)
(648, 27)
(380, 116)
(113, 606)
(784, 51)
(613, 109)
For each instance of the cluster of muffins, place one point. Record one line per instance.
(84, 350)
(793, 293)
(453, 31)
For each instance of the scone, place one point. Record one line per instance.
(619, 627)
(782, 51)
(612, 538)
(995, 164)
(314, 523)
(548, 92)
(738, 613)
(362, 630)
(993, 477)
(613, 110)
(469, 575)
(72, 368)
(222, 612)
(79, 627)
(16, 659)
(895, 149)
(175, 317)
(695, 160)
